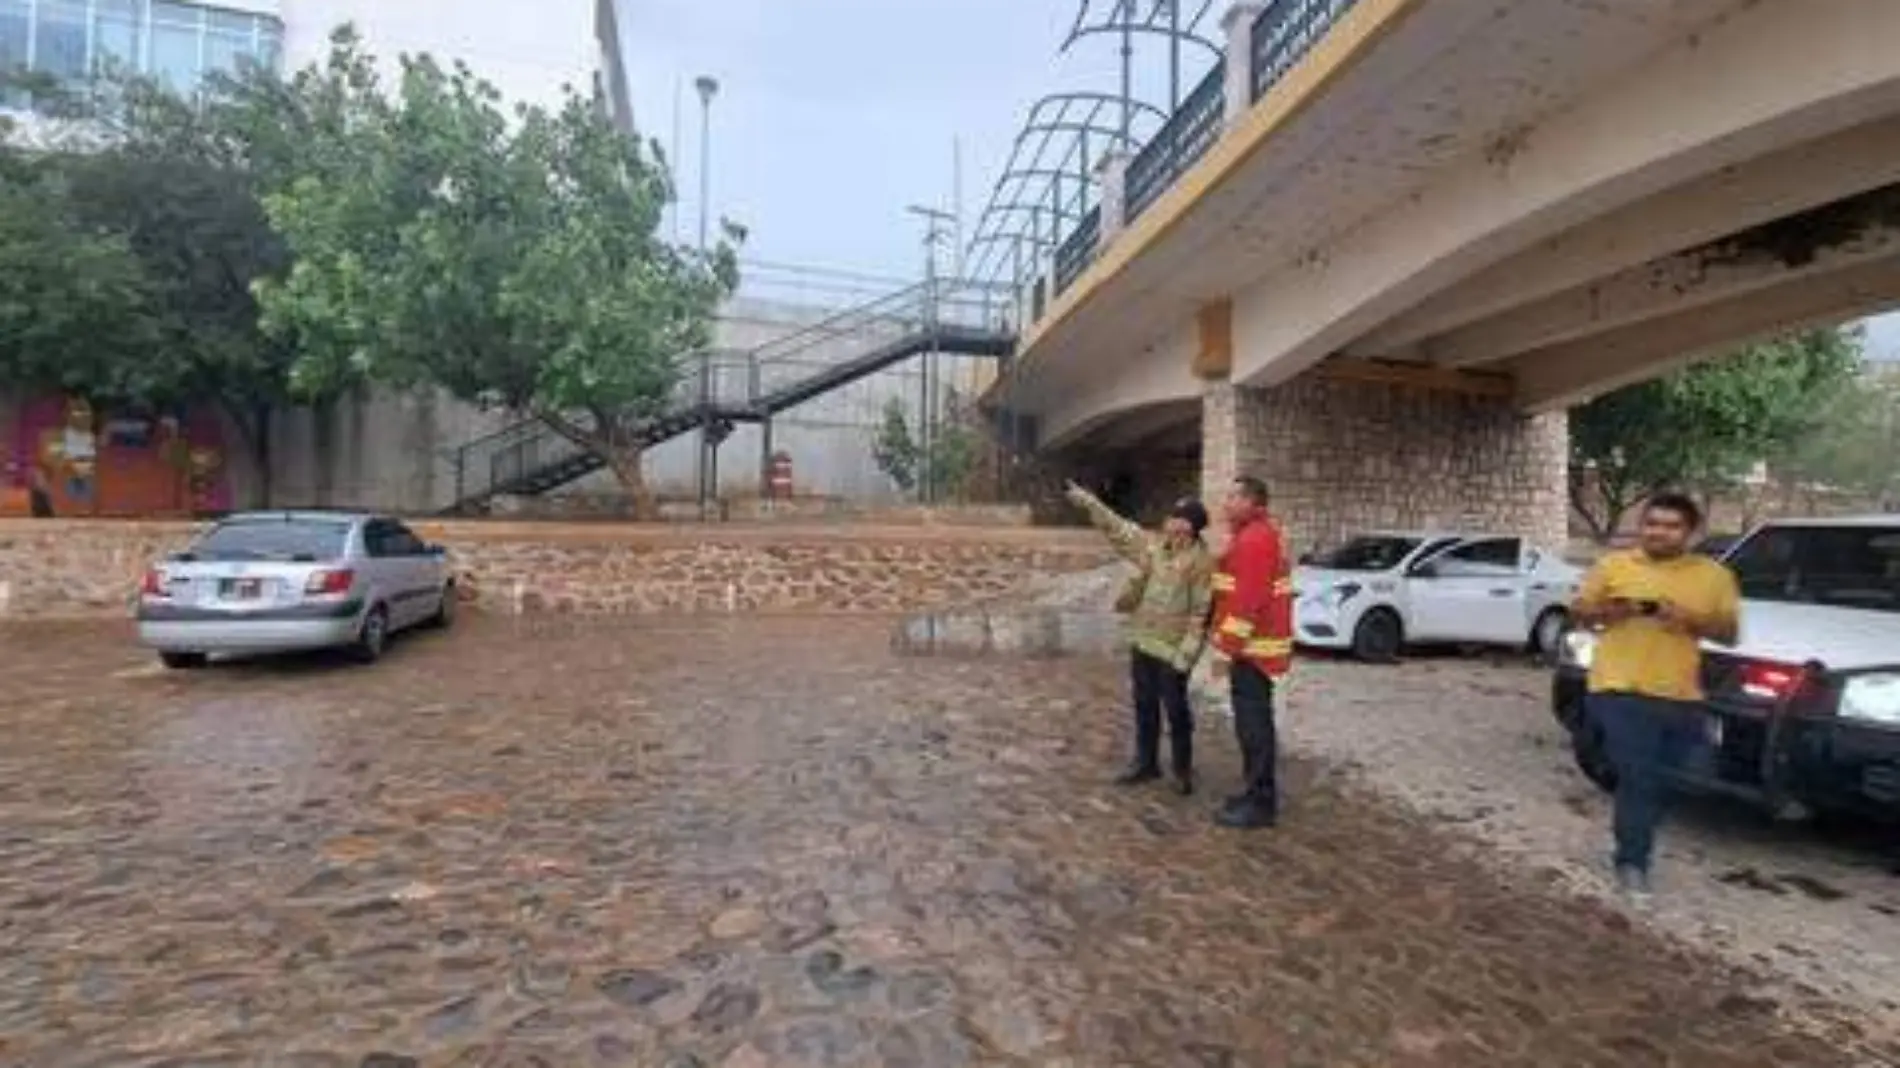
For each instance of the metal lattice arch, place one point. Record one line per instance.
(1051, 182)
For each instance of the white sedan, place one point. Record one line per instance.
(1380, 592)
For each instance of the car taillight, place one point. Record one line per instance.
(153, 584)
(325, 583)
(1765, 680)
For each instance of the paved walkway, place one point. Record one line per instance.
(745, 843)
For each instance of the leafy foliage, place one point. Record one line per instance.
(509, 258)
(1703, 427)
(947, 461)
(78, 312)
(1856, 447)
(895, 451)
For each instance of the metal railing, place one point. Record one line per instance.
(1285, 32)
(1075, 253)
(726, 384)
(1178, 145)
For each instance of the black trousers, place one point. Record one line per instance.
(1252, 691)
(1157, 685)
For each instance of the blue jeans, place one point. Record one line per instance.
(1649, 739)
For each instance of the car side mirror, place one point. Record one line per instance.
(435, 550)
(1428, 569)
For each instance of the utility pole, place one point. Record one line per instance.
(938, 225)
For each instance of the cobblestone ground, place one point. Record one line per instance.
(748, 844)
(1471, 742)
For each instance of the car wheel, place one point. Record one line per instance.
(1592, 752)
(445, 615)
(1547, 634)
(1379, 637)
(372, 637)
(183, 661)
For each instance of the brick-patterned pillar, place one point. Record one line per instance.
(1341, 458)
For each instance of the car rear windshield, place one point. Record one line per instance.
(273, 539)
(1842, 566)
(1372, 553)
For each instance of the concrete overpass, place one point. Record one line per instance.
(1390, 241)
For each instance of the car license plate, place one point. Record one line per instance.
(248, 589)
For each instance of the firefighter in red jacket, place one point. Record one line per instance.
(1253, 644)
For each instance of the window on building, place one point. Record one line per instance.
(230, 41)
(59, 39)
(16, 36)
(118, 36)
(175, 41)
(177, 36)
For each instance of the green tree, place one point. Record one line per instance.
(894, 449)
(1705, 426)
(1855, 446)
(78, 313)
(180, 181)
(512, 258)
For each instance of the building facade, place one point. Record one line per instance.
(531, 52)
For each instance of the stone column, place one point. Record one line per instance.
(1340, 458)
(1237, 23)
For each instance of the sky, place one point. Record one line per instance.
(833, 116)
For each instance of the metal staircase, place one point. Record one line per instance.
(718, 390)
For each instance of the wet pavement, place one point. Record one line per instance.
(749, 843)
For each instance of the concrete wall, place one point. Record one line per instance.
(1340, 458)
(397, 452)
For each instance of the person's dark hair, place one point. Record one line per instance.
(1681, 504)
(1253, 489)
(1192, 512)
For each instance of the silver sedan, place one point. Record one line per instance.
(268, 582)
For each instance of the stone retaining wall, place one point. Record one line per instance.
(77, 568)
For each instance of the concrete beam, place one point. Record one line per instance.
(1571, 373)
(1416, 376)
(1737, 197)
(1856, 230)
(1688, 113)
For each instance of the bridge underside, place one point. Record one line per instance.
(1403, 358)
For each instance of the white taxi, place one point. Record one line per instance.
(1382, 591)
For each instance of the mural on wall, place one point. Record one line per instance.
(72, 460)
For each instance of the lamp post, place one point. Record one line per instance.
(708, 87)
(709, 439)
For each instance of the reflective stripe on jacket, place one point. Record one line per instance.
(1253, 600)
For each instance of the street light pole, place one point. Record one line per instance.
(708, 87)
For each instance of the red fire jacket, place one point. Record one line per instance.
(1253, 600)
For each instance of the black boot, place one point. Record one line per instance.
(1247, 815)
(1137, 774)
(1184, 782)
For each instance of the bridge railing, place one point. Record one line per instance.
(1282, 35)
(1178, 145)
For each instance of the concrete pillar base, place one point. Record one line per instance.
(1340, 458)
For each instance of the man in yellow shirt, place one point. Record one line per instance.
(1655, 605)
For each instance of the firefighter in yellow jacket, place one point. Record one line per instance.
(1167, 601)
(1253, 644)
